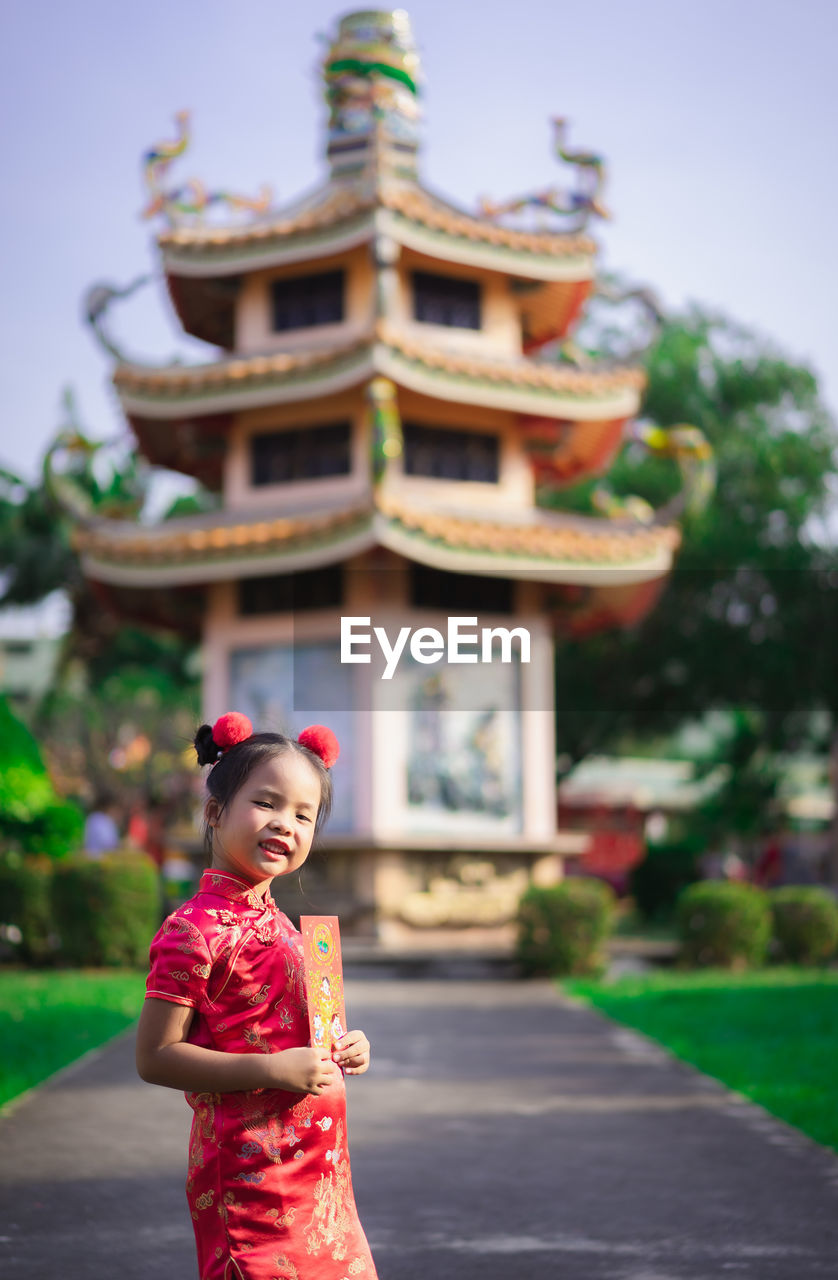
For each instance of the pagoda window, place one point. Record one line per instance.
(444, 453)
(458, 593)
(290, 592)
(302, 302)
(301, 453)
(446, 300)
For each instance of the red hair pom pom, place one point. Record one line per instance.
(322, 742)
(230, 729)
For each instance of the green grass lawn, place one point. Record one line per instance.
(771, 1034)
(49, 1018)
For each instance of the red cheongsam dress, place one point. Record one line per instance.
(269, 1185)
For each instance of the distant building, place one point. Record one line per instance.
(30, 644)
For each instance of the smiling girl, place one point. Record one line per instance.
(226, 1020)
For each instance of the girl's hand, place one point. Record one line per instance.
(352, 1052)
(303, 1070)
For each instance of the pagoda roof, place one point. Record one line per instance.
(519, 384)
(537, 544)
(342, 214)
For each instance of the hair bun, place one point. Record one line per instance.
(205, 746)
(322, 742)
(230, 729)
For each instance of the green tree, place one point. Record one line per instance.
(32, 817)
(749, 618)
(116, 683)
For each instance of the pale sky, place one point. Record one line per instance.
(718, 121)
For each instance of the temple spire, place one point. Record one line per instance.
(371, 73)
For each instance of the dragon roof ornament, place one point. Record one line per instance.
(578, 206)
(192, 199)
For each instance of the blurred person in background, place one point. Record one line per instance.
(101, 829)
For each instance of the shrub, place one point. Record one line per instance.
(805, 924)
(722, 923)
(32, 817)
(664, 873)
(25, 906)
(107, 911)
(561, 928)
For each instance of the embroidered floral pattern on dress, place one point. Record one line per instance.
(269, 1184)
(287, 1270)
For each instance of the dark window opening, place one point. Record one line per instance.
(458, 593)
(446, 300)
(302, 453)
(447, 454)
(305, 301)
(288, 592)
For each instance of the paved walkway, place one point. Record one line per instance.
(503, 1133)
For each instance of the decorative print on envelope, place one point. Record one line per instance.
(324, 980)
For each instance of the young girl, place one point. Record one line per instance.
(225, 1019)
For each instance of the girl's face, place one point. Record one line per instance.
(267, 828)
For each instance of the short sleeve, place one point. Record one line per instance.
(180, 963)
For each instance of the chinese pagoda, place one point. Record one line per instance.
(376, 423)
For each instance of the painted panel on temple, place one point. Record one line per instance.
(463, 762)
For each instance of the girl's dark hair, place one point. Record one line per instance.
(232, 768)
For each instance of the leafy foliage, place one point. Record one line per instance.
(32, 817)
(749, 616)
(728, 925)
(125, 700)
(562, 928)
(106, 911)
(667, 869)
(25, 905)
(805, 925)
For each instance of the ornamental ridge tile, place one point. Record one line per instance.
(409, 201)
(560, 539)
(536, 535)
(518, 372)
(162, 544)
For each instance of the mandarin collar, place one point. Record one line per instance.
(234, 889)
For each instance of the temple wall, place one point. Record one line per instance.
(240, 494)
(500, 334)
(498, 719)
(253, 332)
(516, 486)
(515, 489)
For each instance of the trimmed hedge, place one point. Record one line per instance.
(723, 923)
(106, 912)
(805, 925)
(26, 905)
(562, 927)
(80, 912)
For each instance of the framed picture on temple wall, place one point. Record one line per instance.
(283, 688)
(463, 748)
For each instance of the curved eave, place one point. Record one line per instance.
(472, 251)
(239, 384)
(535, 545)
(242, 554)
(576, 397)
(339, 221)
(207, 259)
(175, 392)
(632, 564)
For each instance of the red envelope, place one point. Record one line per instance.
(324, 980)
